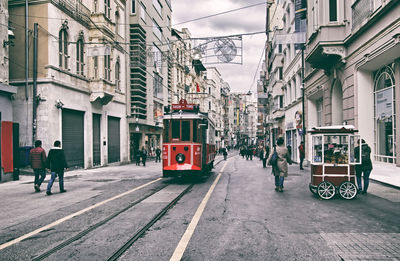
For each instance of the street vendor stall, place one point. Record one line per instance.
(333, 161)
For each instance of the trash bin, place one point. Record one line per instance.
(24, 155)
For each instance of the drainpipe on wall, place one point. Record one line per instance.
(34, 89)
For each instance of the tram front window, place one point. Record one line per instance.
(185, 130)
(176, 130)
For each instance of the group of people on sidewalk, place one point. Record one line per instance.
(280, 158)
(55, 162)
(141, 156)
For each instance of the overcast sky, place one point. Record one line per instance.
(239, 76)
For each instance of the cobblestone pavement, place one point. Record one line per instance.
(364, 246)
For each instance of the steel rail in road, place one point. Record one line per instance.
(80, 212)
(95, 226)
(140, 232)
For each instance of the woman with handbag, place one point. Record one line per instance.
(279, 160)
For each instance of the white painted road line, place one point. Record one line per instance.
(180, 249)
(57, 222)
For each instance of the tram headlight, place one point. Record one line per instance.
(180, 158)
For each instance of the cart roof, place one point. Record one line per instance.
(333, 129)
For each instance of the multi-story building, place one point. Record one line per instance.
(294, 22)
(150, 71)
(214, 85)
(227, 115)
(78, 96)
(7, 95)
(7, 92)
(353, 50)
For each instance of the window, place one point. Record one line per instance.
(117, 22)
(107, 8)
(280, 71)
(157, 86)
(117, 75)
(157, 30)
(385, 118)
(176, 129)
(133, 7)
(157, 58)
(63, 48)
(79, 56)
(158, 6)
(142, 12)
(319, 112)
(332, 10)
(96, 66)
(185, 130)
(107, 67)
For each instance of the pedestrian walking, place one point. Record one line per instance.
(264, 155)
(56, 162)
(364, 169)
(225, 153)
(302, 154)
(144, 156)
(158, 154)
(37, 159)
(280, 169)
(138, 153)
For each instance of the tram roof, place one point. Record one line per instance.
(333, 129)
(185, 115)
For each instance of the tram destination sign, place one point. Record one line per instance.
(183, 105)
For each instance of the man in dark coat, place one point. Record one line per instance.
(56, 163)
(144, 156)
(37, 159)
(158, 154)
(364, 169)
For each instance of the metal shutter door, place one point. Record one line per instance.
(96, 139)
(113, 139)
(72, 137)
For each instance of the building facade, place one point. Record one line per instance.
(78, 96)
(353, 77)
(150, 72)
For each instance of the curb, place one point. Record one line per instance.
(385, 184)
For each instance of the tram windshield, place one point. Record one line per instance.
(181, 130)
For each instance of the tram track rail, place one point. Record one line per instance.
(95, 226)
(117, 254)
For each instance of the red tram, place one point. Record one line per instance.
(188, 141)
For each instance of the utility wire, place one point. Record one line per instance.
(217, 14)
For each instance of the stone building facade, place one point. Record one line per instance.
(81, 78)
(353, 77)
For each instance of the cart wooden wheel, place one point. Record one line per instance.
(347, 190)
(312, 189)
(326, 190)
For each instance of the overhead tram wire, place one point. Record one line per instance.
(184, 22)
(217, 14)
(258, 66)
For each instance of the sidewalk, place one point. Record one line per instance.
(387, 174)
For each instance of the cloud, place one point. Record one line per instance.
(249, 20)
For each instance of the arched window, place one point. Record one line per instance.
(117, 75)
(79, 56)
(385, 131)
(63, 48)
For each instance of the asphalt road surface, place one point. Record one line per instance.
(129, 213)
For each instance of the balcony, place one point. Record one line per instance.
(75, 9)
(325, 47)
(102, 91)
